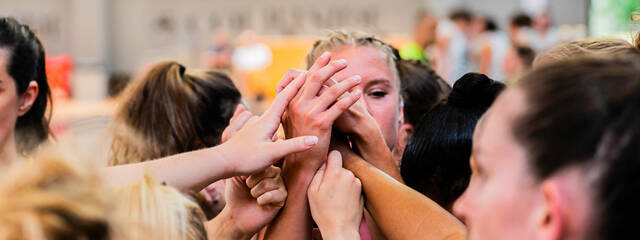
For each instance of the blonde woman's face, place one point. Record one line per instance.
(380, 93)
(8, 101)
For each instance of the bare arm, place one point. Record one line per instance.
(414, 217)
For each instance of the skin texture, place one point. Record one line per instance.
(503, 189)
(192, 171)
(310, 113)
(335, 200)
(418, 218)
(500, 189)
(12, 106)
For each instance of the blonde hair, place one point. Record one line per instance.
(171, 110)
(336, 39)
(157, 211)
(588, 47)
(51, 198)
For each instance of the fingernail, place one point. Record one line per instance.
(311, 140)
(324, 54)
(341, 62)
(357, 78)
(357, 93)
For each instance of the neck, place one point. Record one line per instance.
(8, 150)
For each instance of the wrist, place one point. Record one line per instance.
(224, 227)
(340, 233)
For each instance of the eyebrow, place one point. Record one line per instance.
(382, 81)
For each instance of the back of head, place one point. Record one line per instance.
(603, 47)
(157, 211)
(436, 160)
(170, 110)
(460, 14)
(26, 64)
(526, 55)
(53, 198)
(584, 114)
(421, 88)
(521, 20)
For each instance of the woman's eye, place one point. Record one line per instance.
(378, 94)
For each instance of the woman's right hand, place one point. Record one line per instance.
(251, 148)
(335, 200)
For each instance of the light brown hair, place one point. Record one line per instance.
(171, 110)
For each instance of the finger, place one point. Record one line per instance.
(334, 162)
(252, 120)
(266, 185)
(332, 95)
(342, 105)
(235, 125)
(240, 109)
(317, 179)
(274, 113)
(280, 149)
(270, 172)
(317, 79)
(276, 197)
(320, 62)
(288, 77)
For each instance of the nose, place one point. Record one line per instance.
(460, 208)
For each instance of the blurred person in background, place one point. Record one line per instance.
(424, 35)
(453, 45)
(489, 46)
(24, 92)
(520, 29)
(219, 54)
(421, 89)
(544, 34)
(518, 61)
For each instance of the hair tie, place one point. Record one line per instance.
(182, 69)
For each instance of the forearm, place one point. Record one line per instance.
(190, 171)
(294, 220)
(415, 216)
(373, 148)
(340, 234)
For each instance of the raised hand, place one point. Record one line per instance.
(255, 134)
(336, 201)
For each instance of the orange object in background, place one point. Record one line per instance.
(58, 70)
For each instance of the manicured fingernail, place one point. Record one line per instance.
(324, 55)
(311, 140)
(357, 78)
(341, 62)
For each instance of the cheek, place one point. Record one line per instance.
(385, 112)
(9, 110)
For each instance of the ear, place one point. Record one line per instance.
(553, 217)
(404, 133)
(27, 98)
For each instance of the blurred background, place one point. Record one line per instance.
(95, 47)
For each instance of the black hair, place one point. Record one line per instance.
(460, 14)
(421, 89)
(521, 20)
(585, 113)
(436, 160)
(490, 24)
(26, 63)
(526, 55)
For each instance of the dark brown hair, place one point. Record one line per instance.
(421, 89)
(26, 64)
(585, 112)
(170, 110)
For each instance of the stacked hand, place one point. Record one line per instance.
(336, 201)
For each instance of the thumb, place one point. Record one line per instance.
(280, 149)
(334, 161)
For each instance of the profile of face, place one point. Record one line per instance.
(425, 30)
(12, 105)
(379, 87)
(502, 200)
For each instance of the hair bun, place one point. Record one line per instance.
(474, 90)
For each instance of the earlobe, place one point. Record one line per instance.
(552, 217)
(28, 98)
